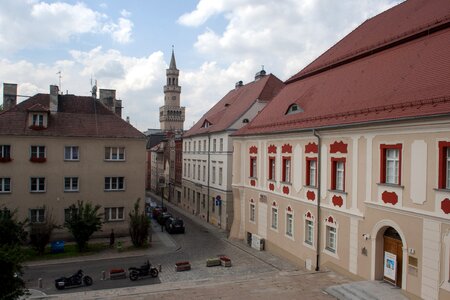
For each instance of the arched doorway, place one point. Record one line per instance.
(389, 250)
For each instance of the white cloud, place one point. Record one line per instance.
(125, 13)
(120, 32)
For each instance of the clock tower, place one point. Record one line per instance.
(171, 115)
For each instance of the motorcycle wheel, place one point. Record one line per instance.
(87, 280)
(154, 272)
(59, 287)
(134, 275)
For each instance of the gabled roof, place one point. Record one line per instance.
(77, 116)
(409, 79)
(235, 103)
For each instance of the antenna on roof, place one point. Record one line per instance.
(59, 77)
(262, 67)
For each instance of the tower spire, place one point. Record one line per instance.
(173, 63)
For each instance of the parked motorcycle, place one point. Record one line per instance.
(76, 279)
(145, 270)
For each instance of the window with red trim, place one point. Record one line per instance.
(311, 171)
(338, 174)
(390, 163)
(253, 166)
(286, 169)
(271, 168)
(444, 165)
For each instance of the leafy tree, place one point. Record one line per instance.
(41, 233)
(83, 220)
(139, 226)
(12, 234)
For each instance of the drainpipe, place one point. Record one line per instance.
(209, 153)
(318, 198)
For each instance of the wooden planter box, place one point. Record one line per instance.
(117, 274)
(225, 261)
(212, 262)
(182, 266)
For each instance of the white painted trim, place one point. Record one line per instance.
(369, 162)
(431, 253)
(323, 171)
(354, 162)
(446, 284)
(353, 246)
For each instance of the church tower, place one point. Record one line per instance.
(171, 115)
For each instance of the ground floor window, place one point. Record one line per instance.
(113, 213)
(5, 185)
(309, 232)
(274, 218)
(289, 224)
(252, 212)
(37, 215)
(331, 239)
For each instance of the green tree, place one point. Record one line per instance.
(83, 220)
(139, 226)
(41, 233)
(12, 234)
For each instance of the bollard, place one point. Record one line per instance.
(103, 275)
(160, 268)
(40, 283)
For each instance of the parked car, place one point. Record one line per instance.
(157, 211)
(174, 225)
(162, 218)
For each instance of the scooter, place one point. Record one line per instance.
(145, 270)
(76, 279)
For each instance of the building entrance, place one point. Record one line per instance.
(392, 257)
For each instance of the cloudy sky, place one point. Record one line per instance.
(126, 45)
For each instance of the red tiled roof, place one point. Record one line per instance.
(231, 107)
(77, 116)
(38, 108)
(400, 22)
(405, 81)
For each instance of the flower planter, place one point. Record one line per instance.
(38, 159)
(117, 274)
(5, 159)
(182, 266)
(225, 261)
(212, 262)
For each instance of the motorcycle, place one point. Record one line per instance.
(76, 279)
(145, 270)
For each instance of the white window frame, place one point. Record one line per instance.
(253, 165)
(312, 172)
(213, 174)
(114, 153)
(289, 232)
(114, 181)
(193, 171)
(113, 214)
(448, 168)
(274, 218)
(221, 144)
(392, 165)
(39, 151)
(73, 184)
(38, 185)
(5, 185)
(252, 212)
(37, 215)
(340, 169)
(198, 172)
(214, 145)
(3, 152)
(309, 224)
(220, 175)
(331, 235)
(272, 161)
(37, 119)
(204, 173)
(71, 153)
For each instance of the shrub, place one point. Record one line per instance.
(139, 226)
(41, 233)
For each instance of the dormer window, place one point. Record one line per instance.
(206, 124)
(38, 117)
(293, 109)
(245, 121)
(37, 120)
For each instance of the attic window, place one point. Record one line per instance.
(293, 109)
(206, 124)
(227, 104)
(245, 121)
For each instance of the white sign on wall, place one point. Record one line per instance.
(390, 266)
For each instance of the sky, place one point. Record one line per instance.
(126, 46)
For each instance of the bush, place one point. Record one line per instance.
(41, 233)
(139, 226)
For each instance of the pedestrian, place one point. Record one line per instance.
(111, 238)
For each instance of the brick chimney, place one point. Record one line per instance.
(108, 98)
(54, 92)
(9, 95)
(260, 75)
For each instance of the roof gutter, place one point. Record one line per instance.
(319, 145)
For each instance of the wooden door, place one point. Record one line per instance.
(394, 246)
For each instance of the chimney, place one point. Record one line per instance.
(54, 92)
(260, 75)
(238, 84)
(118, 108)
(108, 98)
(9, 95)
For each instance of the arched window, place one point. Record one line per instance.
(293, 109)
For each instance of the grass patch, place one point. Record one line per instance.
(70, 250)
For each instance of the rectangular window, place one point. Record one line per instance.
(114, 213)
(193, 173)
(311, 171)
(204, 201)
(71, 184)
(252, 166)
(213, 174)
(37, 151)
(37, 215)
(338, 174)
(252, 212)
(213, 204)
(289, 224)
(444, 165)
(271, 168)
(37, 184)
(309, 232)
(286, 169)
(184, 170)
(204, 173)
(114, 184)
(189, 146)
(38, 120)
(114, 153)
(274, 218)
(189, 170)
(391, 164)
(198, 172)
(220, 176)
(5, 152)
(204, 145)
(195, 146)
(71, 153)
(221, 145)
(5, 185)
(331, 239)
(214, 145)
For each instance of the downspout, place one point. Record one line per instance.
(319, 144)
(209, 155)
